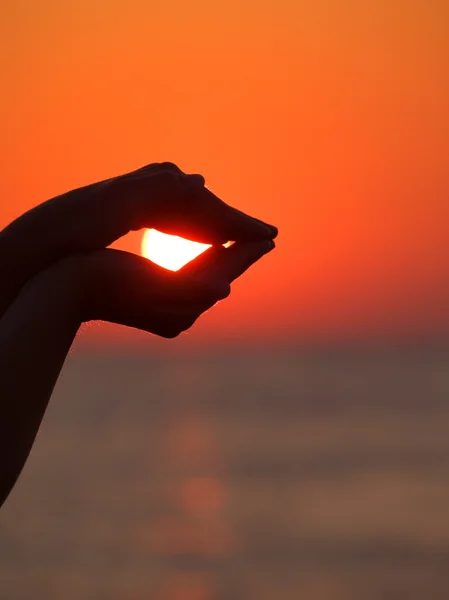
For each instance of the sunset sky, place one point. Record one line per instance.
(329, 119)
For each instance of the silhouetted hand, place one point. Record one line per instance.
(90, 218)
(123, 288)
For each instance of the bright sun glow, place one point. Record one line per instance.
(170, 251)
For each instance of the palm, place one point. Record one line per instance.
(130, 290)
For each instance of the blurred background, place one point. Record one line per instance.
(295, 442)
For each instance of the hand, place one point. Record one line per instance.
(127, 289)
(87, 220)
(90, 218)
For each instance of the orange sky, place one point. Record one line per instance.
(329, 119)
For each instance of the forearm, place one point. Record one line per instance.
(23, 254)
(36, 333)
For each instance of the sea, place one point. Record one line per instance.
(286, 474)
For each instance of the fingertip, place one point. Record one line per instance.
(271, 230)
(263, 247)
(274, 231)
(252, 231)
(263, 231)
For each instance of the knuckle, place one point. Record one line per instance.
(197, 180)
(166, 179)
(169, 166)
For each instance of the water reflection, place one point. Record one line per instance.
(195, 537)
(189, 586)
(195, 481)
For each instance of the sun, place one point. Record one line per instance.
(170, 251)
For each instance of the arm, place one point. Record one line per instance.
(37, 330)
(35, 336)
(56, 272)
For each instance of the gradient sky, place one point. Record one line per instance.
(329, 119)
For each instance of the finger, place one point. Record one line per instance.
(240, 257)
(231, 224)
(221, 222)
(228, 263)
(205, 262)
(198, 214)
(274, 230)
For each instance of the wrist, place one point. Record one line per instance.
(63, 287)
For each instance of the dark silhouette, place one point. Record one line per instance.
(56, 273)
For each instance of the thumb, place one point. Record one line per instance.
(227, 264)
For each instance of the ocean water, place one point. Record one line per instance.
(291, 475)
